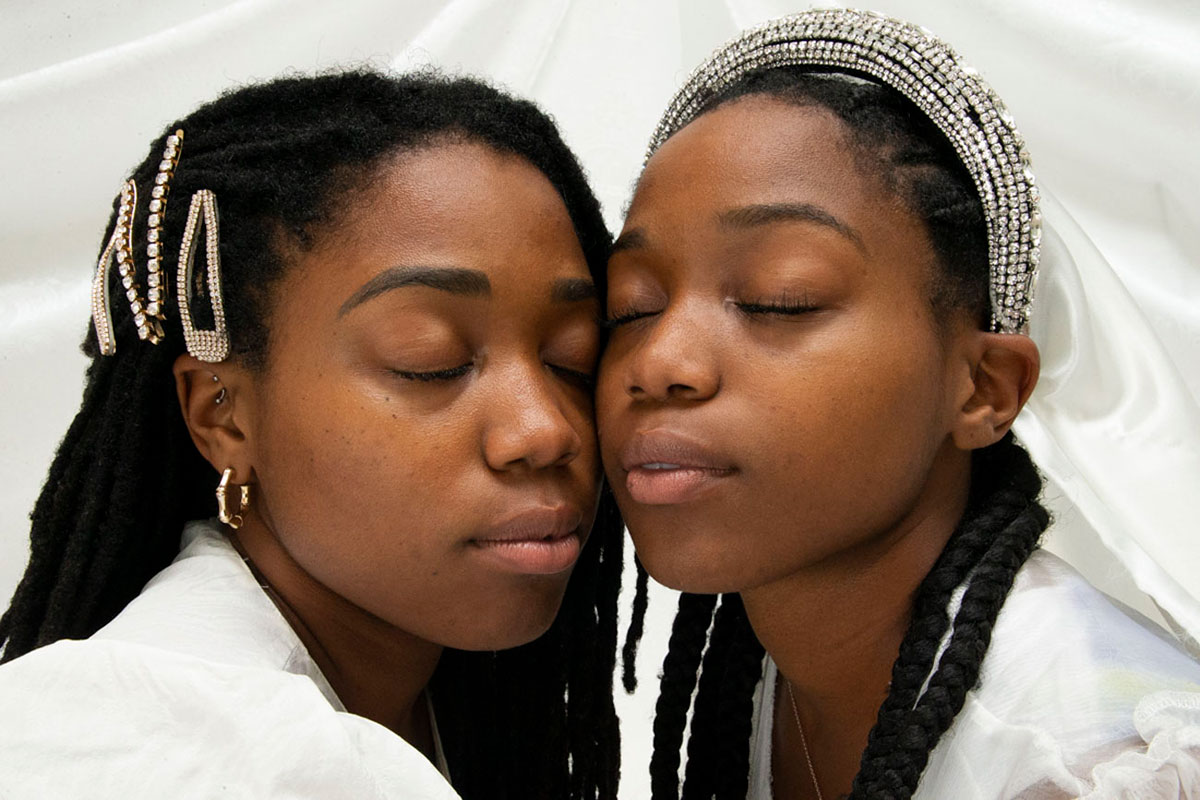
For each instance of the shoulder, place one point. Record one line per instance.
(1076, 694)
(198, 688)
(105, 718)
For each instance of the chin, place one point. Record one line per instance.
(700, 559)
(686, 568)
(509, 622)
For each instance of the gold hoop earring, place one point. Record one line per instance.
(233, 519)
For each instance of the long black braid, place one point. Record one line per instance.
(285, 160)
(1000, 527)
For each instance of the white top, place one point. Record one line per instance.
(1077, 698)
(198, 689)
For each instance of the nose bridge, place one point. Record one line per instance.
(677, 358)
(526, 422)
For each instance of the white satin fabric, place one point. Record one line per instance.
(198, 689)
(1077, 698)
(1104, 92)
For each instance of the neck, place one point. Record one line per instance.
(834, 630)
(377, 670)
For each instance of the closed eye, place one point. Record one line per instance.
(585, 379)
(617, 319)
(785, 307)
(435, 375)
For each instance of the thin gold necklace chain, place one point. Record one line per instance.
(803, 741)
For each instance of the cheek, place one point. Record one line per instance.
(835, 451)
(851, 448)
(338, 456)
(376, 502)
(610, 399)
(350, 484)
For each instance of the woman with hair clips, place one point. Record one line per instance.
(818, 310)
(374, 299)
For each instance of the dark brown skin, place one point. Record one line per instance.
(378, 496)
(829, 441)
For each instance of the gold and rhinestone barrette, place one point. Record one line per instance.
(206, 345)
(149, 320)
(148, 309)
(928, 72)
(120, 249)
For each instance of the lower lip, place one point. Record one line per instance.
(532, 556)
(662, 487)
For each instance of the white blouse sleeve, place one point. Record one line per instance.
(1169, 766)
(109, 719)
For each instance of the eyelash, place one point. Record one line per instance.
(624, 318)
(457, 372)
(784, 306)
(584, 379)
(435, 375)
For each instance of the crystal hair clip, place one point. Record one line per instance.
(929, 73)
(150, 324)
(147, 310)
(207, 345)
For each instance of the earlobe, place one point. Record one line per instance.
(1004, 372)
(210, 396)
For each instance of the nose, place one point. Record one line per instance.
(529, 424)
(675, 361)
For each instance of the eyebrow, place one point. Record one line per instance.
(455, 280)
(572, 290)
(753, 216)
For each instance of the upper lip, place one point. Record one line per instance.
(662, 446)
(534, 523)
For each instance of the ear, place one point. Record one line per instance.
(217, 400)
(1004, 370)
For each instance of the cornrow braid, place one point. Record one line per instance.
(286, 160)
(1000, 527)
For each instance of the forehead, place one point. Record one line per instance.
(760, 184)
(460, 208)
(757, 149)
(460, 196)
(454, 204)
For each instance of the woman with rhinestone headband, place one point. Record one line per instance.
(819, 307)
(374, 299)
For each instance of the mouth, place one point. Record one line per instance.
(539, 540)
(667, 468)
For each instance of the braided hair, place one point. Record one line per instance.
(285, 159)
(1001, 525)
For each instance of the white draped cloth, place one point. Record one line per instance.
(198, 689)
(1077, 698)
(1104, 93)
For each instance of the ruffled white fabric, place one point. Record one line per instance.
(199, 689)
(1077, 697)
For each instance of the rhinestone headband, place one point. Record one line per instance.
(148, 311)
(931, 75)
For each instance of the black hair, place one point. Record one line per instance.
(284, 159)
(1000, 527)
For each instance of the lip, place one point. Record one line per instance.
(664, 467)
(537, 540)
